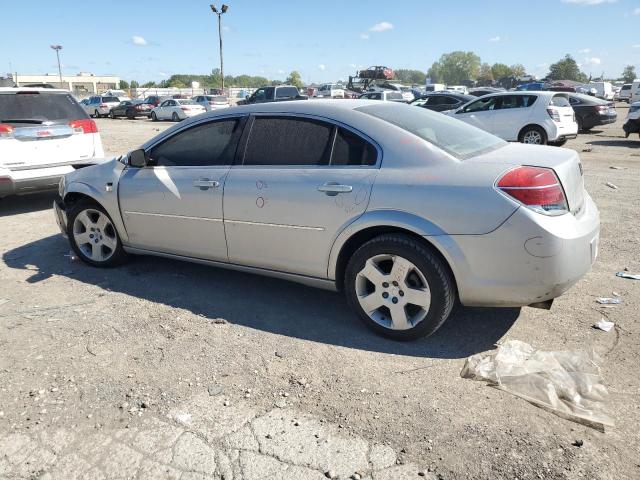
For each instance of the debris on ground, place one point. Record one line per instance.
(614, 167)
(604, 325)
(611, 185)
(608, 301)
(578, 443)
(215, 390)
(628, 275)
(3, 301)
(587, 149)
(566, 383)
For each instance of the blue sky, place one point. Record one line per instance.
(324, 40)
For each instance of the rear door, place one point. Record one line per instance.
(301, 180)
(46, 129)
(511, 114)
(174, 205)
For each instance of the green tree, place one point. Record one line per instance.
(149, 84)
(435, 73)
(485, 75)
(566, 69)
(500, 70)
(134, 84)
(456, 67)
(177, 83)
(124, 84)
(294, 79)
(410, 77)
(518, 70)
(629, 74)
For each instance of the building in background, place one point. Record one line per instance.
(81, 84)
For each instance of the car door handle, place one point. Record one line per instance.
(205, 184)
(333, 188)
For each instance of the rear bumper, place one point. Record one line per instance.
(10, 186)
(531, 258)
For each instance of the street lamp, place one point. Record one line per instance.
(57, 48)
(222, 10)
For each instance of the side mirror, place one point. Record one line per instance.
(137, 158)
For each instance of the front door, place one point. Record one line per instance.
(174, 205)
(479, 113)
(301, 182)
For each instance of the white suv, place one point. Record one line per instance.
(526, 117)
(44, 134)
(330, 90)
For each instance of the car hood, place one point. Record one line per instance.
(99, 174)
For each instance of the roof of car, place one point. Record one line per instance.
(32, 89)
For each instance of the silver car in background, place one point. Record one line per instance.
(403, 209)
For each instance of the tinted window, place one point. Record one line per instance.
(210, 144)
(288, 141)
(626, 87)
(110, 100)
(449, 101)
(481, 105)
(39, 107)
(394, 96)
(454, 137)
(350, 149)
(559, 101)
(515, 101)
(286, 92)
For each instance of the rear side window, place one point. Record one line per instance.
(286, 92)
(559, 101)
(39, 108)
(205, 145)
(288, 141)
(351, 149)
(110, 100)
(394, 96)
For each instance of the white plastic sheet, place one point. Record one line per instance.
(565, 383)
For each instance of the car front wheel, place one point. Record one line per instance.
(175, 117)
(93, 236)
(399, 287)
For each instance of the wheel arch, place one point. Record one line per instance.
(529, 125)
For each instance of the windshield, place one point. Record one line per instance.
(453, 136)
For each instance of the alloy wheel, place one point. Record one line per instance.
(393, 292)
(533, 137)
(95, 235)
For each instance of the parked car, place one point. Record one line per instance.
(531, 87)
(458, 88)
(406, 92)
(212, 102)
(384, 95)
(632, 122)
(603, 90)
(350, 94)
(480, 91)
(131, 109)
(625, 92)
(44, 134)
(99, 106)
(330, 90)
(591, 112)
(153, 100)
(527, 117)
(410, 212)
(273, 94)
(121, 94)
(435, 87)
(176, 110)
(635, 92)
(442, 101)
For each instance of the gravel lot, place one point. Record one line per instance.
(163, 369)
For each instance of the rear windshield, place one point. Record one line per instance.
(626, 87)
(285, 92)
(39, 107)
(453, 136)
(560, 101)
(110, 100)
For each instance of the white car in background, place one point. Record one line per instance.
(635, 92)
(330, 90)
(44, 134)
(528, 117)
(99, 106)
(407, 94)
(624, 95)
(176, 109)
(459, 88)
(212, 102)
(384, 95)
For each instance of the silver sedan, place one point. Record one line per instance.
(404, 210)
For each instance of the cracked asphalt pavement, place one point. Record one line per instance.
(168, 370)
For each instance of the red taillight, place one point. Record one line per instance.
(184, 109)
(86, 125)
(102, 105)
(536, 187)
(553, 113)
(6, 131)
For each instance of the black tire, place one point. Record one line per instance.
(154, 118)
(117, 257)
(131, 115)
(429, 264)
(535, 130)
(175, 117)
(96, 114)
(112, 115)
(558, 143)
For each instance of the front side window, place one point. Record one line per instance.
(481, 105)
(288, 141)
(204, 145)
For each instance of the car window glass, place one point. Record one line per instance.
(507, 102)
(39, 106)
(559, 101)
(574, 101)
(449, 101)
(351, 149)
(204, 145)
(481, 105)
(288, 141)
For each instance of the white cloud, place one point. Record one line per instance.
(364, 36)
(636, 11)
(589, 2)
(585, 50)
(593, 61)
(280, 71)
(636, 45)
(322, 67)
(495, 39)
(162, 74)
(226, 29)
(138, 40)
(381, 27)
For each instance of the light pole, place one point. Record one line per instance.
(57, 48)
(222, 10)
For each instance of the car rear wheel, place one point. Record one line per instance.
(175, 117)
(154, 118)
(533, 135)
(93, 236)
(96, 114)
(130, 115)
(399, 287)
(111, 114)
